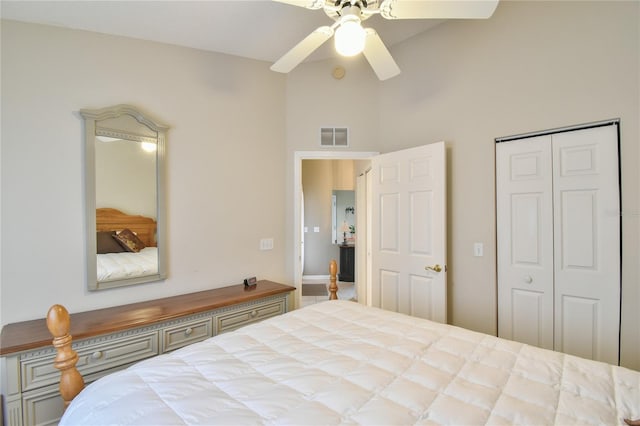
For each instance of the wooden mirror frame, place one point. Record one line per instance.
(92, 117)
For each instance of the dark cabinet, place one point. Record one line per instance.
(347, 263)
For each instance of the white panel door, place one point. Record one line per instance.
(587, 241)
(525, 241)
(558, 226)
(409, 232)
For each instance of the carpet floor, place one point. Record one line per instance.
(314, 290)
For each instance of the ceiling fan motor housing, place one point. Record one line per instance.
(340, 8)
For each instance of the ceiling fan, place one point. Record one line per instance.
(351, 38)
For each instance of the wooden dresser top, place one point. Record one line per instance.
(33, 334)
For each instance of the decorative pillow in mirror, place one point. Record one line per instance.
(129, 241)
(107, 244)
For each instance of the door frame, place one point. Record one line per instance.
(298, 156)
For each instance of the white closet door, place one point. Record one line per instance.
(587, 241)
(525, 241)
(557, 207)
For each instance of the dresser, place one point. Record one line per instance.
(111, 339)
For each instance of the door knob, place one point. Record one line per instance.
(435, 268)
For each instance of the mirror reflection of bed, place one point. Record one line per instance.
(126, 245)
(124, 170)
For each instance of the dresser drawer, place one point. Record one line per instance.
(185, 334)
(42, 407)
(241, 317)
(106, 354)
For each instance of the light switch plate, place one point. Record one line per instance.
(478, 249)
(266, 244)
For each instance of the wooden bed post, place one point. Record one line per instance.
(333, 287)
(59, 324)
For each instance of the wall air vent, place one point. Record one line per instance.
(334, 137)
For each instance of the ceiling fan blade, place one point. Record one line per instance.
(438, 9)
(308, 4)
(378, 56)
(303, 49)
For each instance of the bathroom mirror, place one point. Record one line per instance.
(125, 211)
(343, 218)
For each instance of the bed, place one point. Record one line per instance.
(132, 257)
(338, 362)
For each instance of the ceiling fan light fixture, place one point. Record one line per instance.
(350, 37)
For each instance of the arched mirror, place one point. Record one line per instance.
(125, 216)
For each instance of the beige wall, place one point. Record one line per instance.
(225, 168)
(319, 179)
(533, 66)
(317, 184)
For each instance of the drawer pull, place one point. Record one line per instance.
(254, 313)
(96, 355)
(188, 331)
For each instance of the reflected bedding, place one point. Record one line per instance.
(118, 266)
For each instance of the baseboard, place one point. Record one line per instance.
(315, 277)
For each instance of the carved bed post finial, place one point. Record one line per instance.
(333, 287)
(59, 324)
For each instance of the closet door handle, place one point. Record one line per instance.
(527, 279)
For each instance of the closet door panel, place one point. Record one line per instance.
(579, 233)
(528, 326)
(587, 241)
(525, 243)
(579, 324)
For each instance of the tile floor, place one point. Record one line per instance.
(346, 291)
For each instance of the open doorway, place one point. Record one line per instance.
(328, 228)
(321, 237)
(405, 239)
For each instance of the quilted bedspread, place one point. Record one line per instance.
(341, 363)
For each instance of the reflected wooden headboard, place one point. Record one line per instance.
(108, 219)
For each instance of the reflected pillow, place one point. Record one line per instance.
(129, 241)
(106, 243)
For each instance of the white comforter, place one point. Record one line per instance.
(119, 266)
(339, 362)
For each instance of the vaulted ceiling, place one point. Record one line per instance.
(261, 29)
